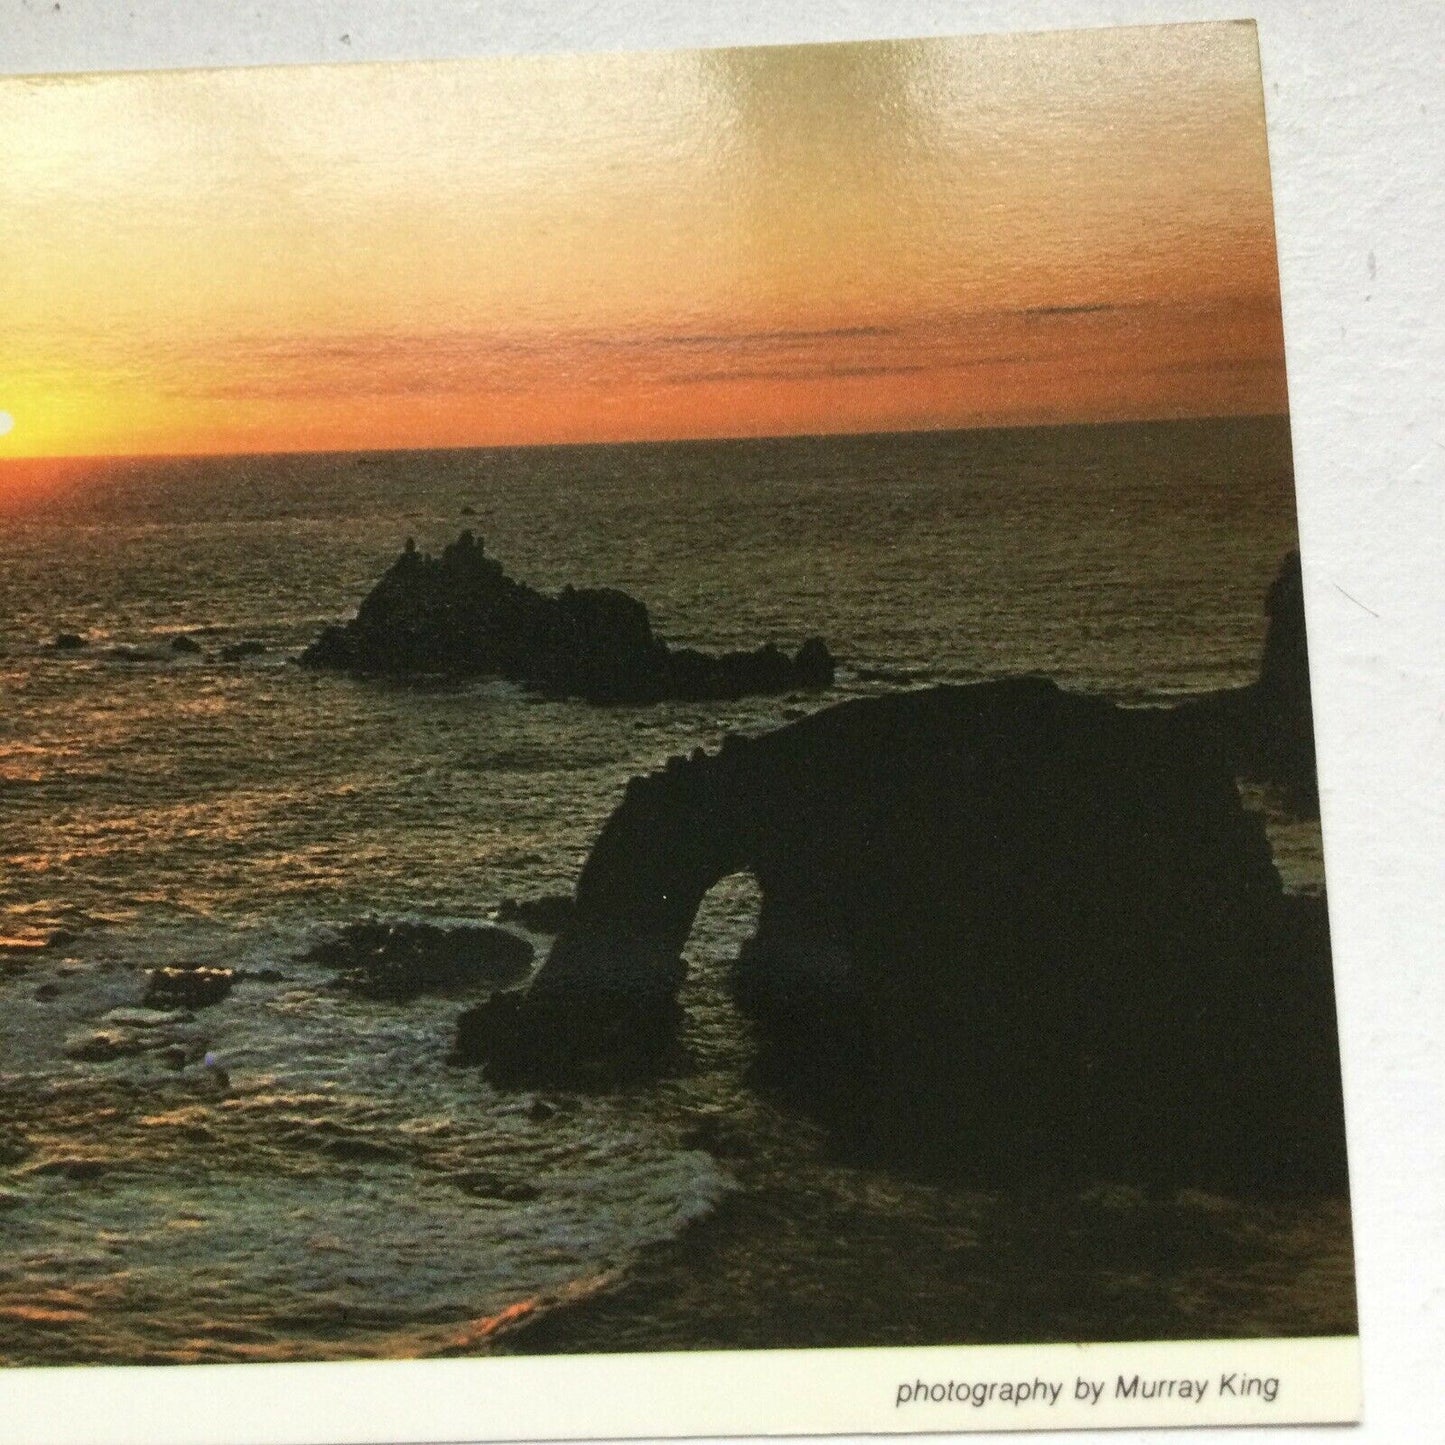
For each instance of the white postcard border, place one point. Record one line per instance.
(954, 1389)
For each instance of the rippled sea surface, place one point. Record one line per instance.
(328, 1186)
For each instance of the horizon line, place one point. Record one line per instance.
(384, 450)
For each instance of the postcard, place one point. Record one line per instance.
(656, 752)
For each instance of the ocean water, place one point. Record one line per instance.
(346, 1193)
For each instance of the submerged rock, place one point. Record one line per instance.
(188, 646)
(460, 614)
(1002, 928)
(128, 1032)
(69, 642)
(239, 651)
(356, 1149)
(77, 1169)
(188, 986)
(400, 961)
(484, 1184)
(102, 1045)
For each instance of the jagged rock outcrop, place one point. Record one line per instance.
(460, 614)
(399, 961)
(1267, 727)
(187, 986)
(1002, 927)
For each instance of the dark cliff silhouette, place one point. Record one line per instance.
(1268, 726)
(1002, 928)
(460, 614)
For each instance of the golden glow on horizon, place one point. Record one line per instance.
(833, 238)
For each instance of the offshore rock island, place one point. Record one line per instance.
(461, 615)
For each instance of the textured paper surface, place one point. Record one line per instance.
(1296, 177)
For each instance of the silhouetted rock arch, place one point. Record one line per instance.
(1001, 927)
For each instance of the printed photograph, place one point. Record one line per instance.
(657, 702)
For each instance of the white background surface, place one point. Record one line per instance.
(1356, 101)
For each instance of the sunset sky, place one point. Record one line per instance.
(862, 237)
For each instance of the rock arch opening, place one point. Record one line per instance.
(717, 1034)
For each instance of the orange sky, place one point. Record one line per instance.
(834, 238)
